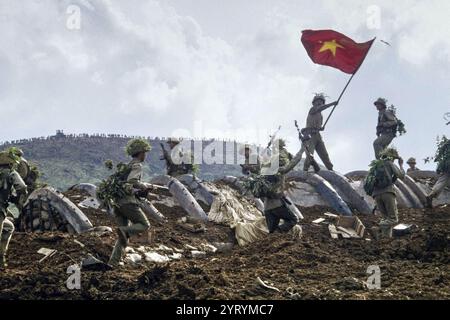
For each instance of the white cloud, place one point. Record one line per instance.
(156, 67)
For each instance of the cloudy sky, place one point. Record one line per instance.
(221, 69)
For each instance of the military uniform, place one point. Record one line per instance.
(314, 124)
(177, 169)
(9, 180)
(386, 201)
(386, 128)
(409, 170)
(129, 215)
(275, 207)
(441, 184)
(443, 170)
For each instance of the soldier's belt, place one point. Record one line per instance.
(310, 131)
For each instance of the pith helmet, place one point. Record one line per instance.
(381, 101)
(173, 141)
(390, 153)
(411, 161)
(7, 158)
(137, 146)
(16, 151)
(281, 143)
(319, 96)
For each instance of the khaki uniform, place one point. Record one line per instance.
(386, 131)
(386, 201)
(409, 170)
(10, 180)
(441, 184)
(129, 215)
(275, 208)
(314, 123)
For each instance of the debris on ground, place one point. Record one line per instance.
(266, 286)
(413, 266)
(46, 252)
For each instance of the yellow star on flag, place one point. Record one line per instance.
(330, 45)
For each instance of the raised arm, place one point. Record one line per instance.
(321, 108)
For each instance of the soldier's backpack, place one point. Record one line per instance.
(400, 126)
(263, 186)
(115, 186)
(378, 177)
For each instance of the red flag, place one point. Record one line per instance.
(331, 48)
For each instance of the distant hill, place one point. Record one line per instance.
(65, 160)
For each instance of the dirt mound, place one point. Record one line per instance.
(316, 267)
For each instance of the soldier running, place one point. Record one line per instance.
(130, 217)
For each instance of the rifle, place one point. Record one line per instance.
(303, 138)
(272, 138)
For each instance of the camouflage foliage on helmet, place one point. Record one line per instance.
(109, 164)
(381, 101)
(319, 96)
(411, 160)
(15, 151)
(442, 157)
(8, 159)
(137, 146)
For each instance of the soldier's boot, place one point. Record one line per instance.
(122, 235)
(119, 248)
(429, 203)
(3, 264)
(386, 231)
(375, 232)
(296, 232)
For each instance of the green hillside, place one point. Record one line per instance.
(65, 160)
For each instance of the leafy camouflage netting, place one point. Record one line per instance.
(115, 186)
(442, 156)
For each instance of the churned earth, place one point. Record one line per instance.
(414, 266)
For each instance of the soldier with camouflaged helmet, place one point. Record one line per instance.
(28, 173)
(248, 167)
(384, 193)
(10, 181)
(442, 158)
(412, 165)
(130, 217)
(173, 167)
(314, 124)
(275, 201)
(386, 127)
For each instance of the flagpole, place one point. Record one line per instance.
(346, 86)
